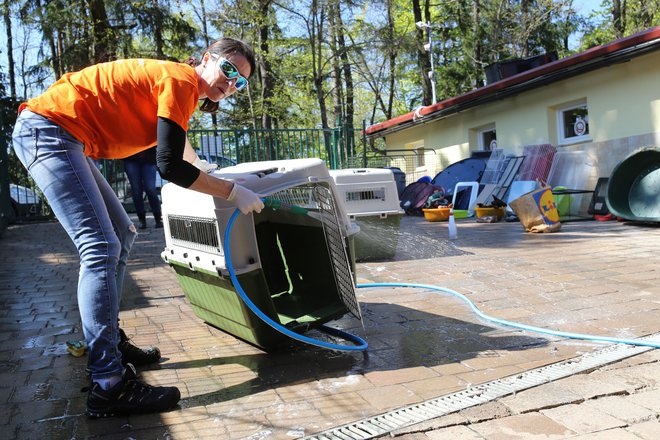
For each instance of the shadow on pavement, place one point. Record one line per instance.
(406, 338)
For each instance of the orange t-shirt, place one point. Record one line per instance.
(113, 108)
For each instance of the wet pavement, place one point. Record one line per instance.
(599, 278)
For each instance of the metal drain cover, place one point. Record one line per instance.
(421, 412)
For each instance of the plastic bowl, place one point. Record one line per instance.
(485, 212)
(436, 214)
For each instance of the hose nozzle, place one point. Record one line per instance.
(278, 204)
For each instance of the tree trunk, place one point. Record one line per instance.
(349, 113)
(315, 29)
(338, 89)
(103, 36)
(265, 69)
(618, 17)
(47, 32)
(207, 42)
(478, 45)
(158, 30)
(423, 59)
(391, 55)
(10, 50)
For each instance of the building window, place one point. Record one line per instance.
(573, 123)
(487, 137)
(420, 157)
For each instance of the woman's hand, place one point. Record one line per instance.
(245, 199)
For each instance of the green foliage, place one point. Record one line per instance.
(381, 46)
(8, 113)
(599, 28)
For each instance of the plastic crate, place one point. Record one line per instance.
(371, 200)
(280, 257)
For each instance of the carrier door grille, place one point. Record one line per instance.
(321, 205)
(337, 248)
(366, 194)
(195, 233)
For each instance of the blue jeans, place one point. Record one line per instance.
(92, 215)
(142, 176)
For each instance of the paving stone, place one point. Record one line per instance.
(454, 433)
(648, 430)
(424, 344)
(648, 399)
(548, 395)
(436, 386)
(531, 426)
(389, 397)
(436, 424)
(589, 386)
(610, 434)
(46, 429)
(488, 374)
(486, 411)
(384, 378)
(622, 408)
(583, 419)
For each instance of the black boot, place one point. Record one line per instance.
(130, 396)
(143, 221)
(130, 354)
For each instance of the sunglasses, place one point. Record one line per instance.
(231, 72)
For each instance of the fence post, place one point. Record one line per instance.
(364, 143)
(5, 198)
(340, 144)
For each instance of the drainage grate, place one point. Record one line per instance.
(421, 412)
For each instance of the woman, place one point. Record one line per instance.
(114, 110)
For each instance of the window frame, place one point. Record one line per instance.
(480, 137)
(560, 112)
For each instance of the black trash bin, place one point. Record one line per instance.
(399, 178)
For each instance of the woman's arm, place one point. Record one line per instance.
(190, 155)
(173, 155)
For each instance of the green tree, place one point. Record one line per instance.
(617, 19)
(317, 60)
(6, 14)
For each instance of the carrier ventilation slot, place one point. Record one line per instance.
(367, 194)
(194, 233)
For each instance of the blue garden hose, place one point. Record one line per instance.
(361, 344)
(517, 325)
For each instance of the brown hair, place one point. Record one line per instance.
(224, 47)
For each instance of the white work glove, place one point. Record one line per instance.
(245, 200)
(204, 165)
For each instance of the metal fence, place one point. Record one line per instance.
(341, 147)
(225, 147)
(415, 164)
